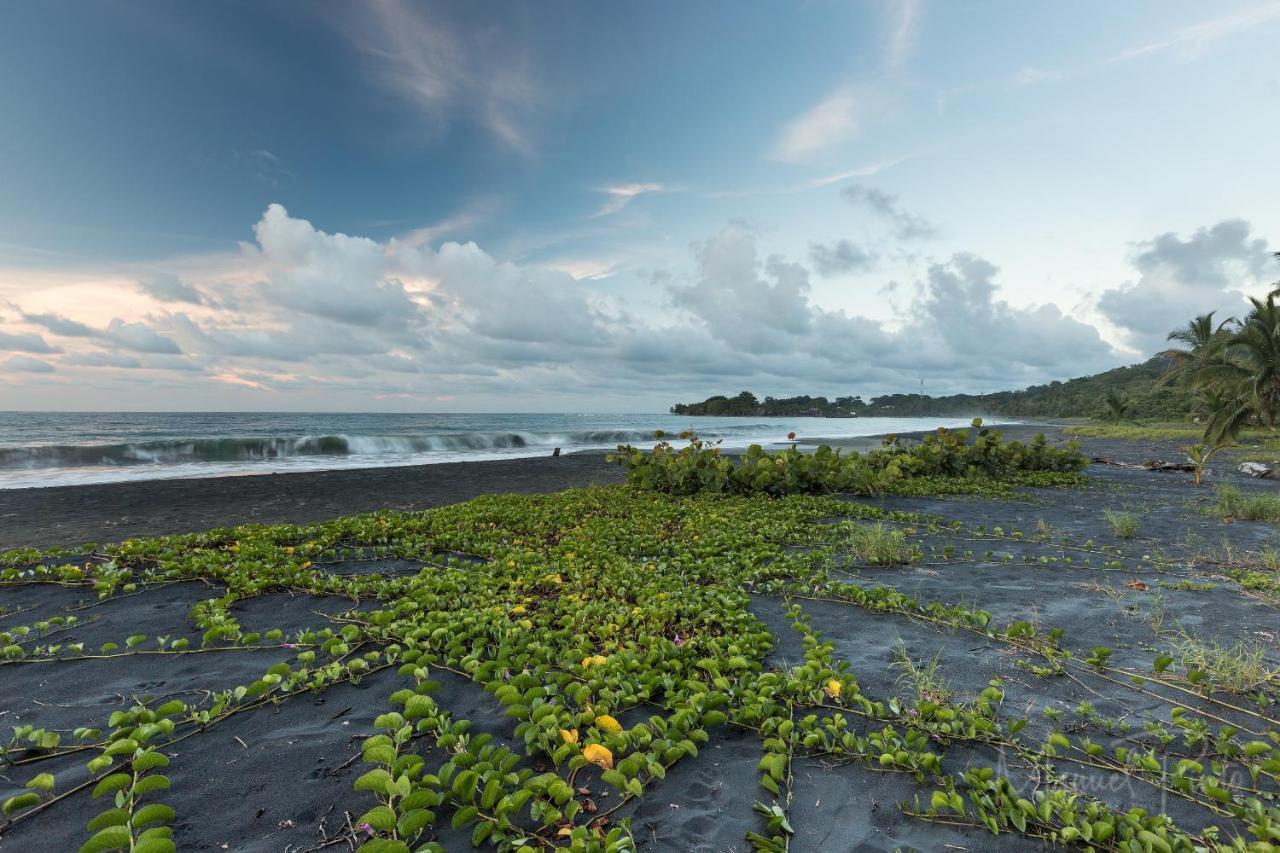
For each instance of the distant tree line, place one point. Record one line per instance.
(1145, 396)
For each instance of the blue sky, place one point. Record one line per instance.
(396, 205)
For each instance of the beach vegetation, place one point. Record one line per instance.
(879, 544)
(1257, 506)
(617, 629)
(1240, 668)
(980, 454)
(1123, 523)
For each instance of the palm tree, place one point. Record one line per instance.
(1202, 344)
(1117, 406)
(1233, 367)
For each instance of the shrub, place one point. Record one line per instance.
(977, 454)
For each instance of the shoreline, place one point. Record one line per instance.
(68, 516)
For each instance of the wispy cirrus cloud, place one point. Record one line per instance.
(904, 22)
(447, 72)
(621, 195)
(1190, 41)
(1185, 44)
(836, 119)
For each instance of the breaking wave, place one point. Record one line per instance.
(253, 449)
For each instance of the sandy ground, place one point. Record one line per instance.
(111, 512)
(280, 778)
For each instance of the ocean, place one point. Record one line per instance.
(70, 448)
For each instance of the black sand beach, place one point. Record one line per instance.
(113, 512)
(280, 779)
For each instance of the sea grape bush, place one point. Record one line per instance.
(977, 454)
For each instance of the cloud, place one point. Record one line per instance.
(104, 359)
(1190, 41)
(906, 226)
(1186, 44)
(623, 194)
(834, 120)
(904, 20)
(348, 321)
(960, 311)
(59, 325)
(266, 167)
(24, 364)
(446, 71)
(840, 257)
(1212, 270)
(139, 337)
(753, 306)
(25, 342)
(503, 301)
(333, 276)
(167, 287)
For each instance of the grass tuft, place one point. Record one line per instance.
(1123, 524)
(1239, 668)
(879, 545)
(1232, 503)
(924, 678)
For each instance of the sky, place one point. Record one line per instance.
(402, 206)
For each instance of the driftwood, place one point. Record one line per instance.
(1150, 465)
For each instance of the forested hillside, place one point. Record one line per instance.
(1082, 397)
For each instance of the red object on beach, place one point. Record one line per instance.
(791, 436)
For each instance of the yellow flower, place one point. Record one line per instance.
(518, 609)
(569, 735)
(594, 660)
(598, 755)
(833, 689)
(608, 724)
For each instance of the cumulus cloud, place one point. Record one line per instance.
(168, 287)
(753, 306)
(59, 325)
(24, 342)
(104, 359)
(505, 301)
(1212, 270)
(334, 276)
(311, 312)
(840, 257)
(139, 337)
(24, 364)
(906, 225)
(979, 332)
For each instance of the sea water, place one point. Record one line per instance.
(70, 448)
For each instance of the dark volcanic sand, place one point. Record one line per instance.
(111, 512)
(278, 778)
